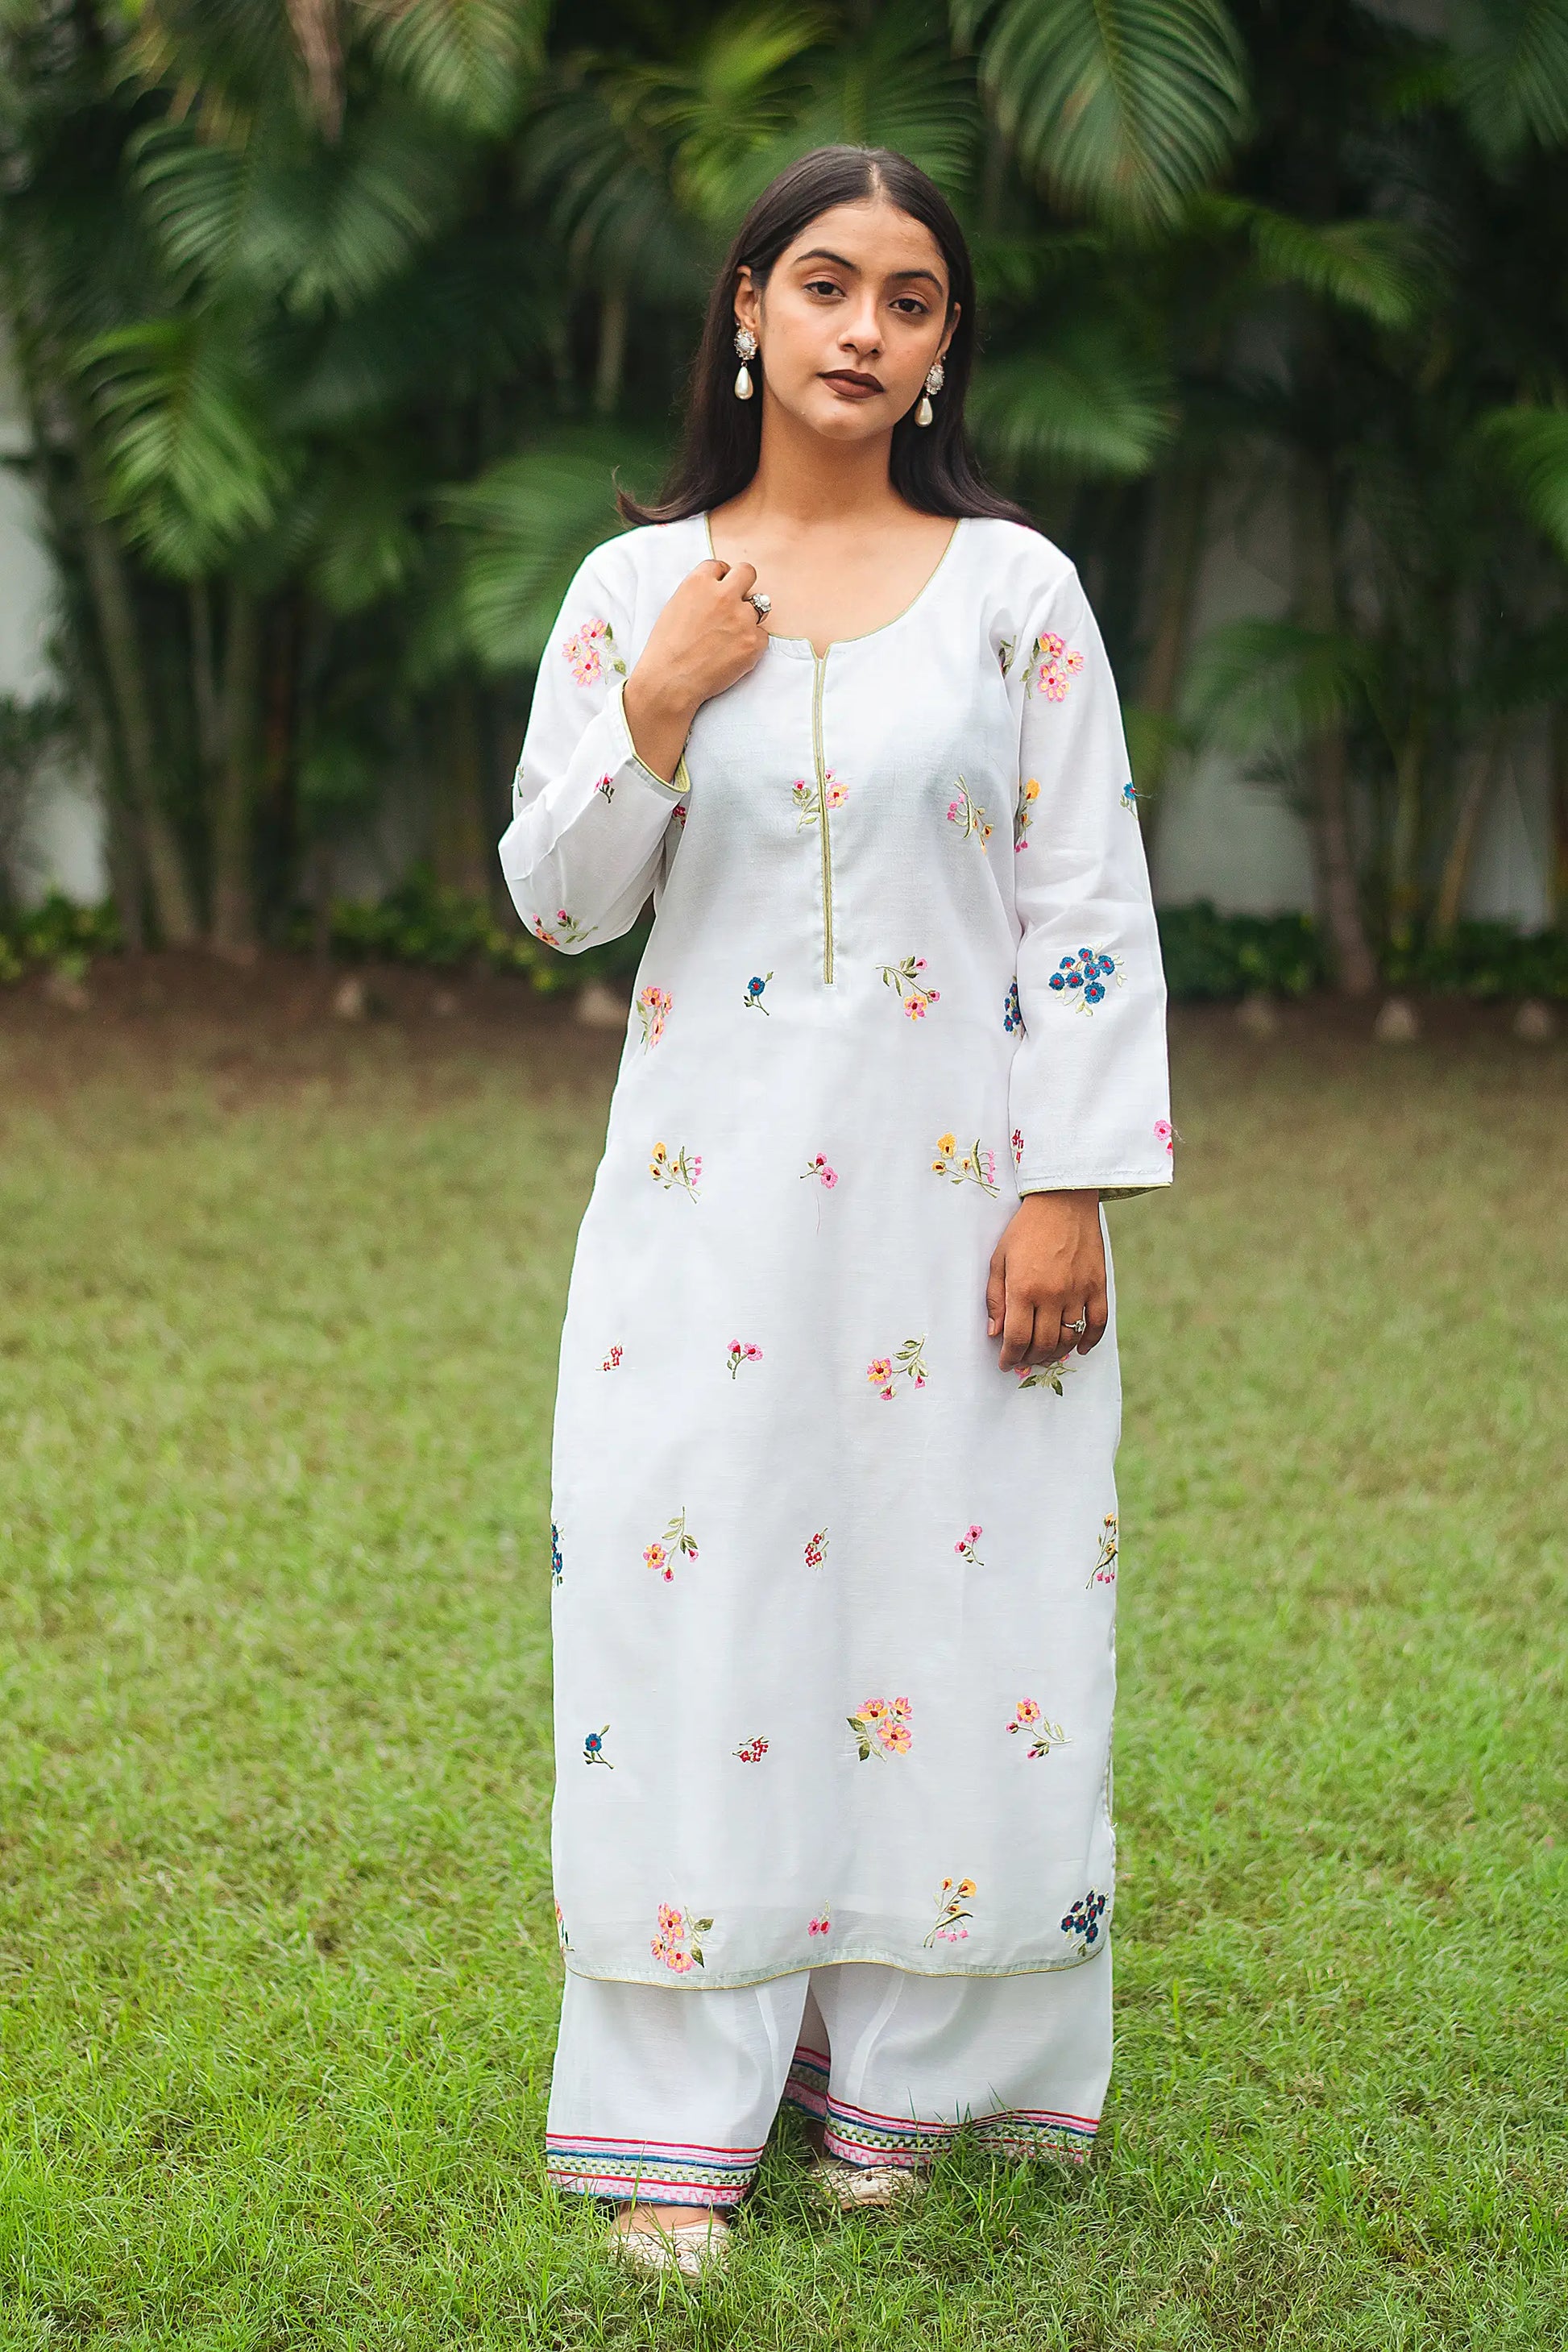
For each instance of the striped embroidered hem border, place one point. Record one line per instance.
(589, 2166)
(862, 2136)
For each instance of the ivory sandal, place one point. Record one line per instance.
(850, 2186)
(693, 2248)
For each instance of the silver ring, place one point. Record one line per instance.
(1081, 1325)
(762, 600)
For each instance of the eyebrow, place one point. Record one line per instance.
(822, 253)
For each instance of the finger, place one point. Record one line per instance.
(995, 1296)
(1070, 1337)
(1097, 1309)
(743, 576)
(1017, 1333)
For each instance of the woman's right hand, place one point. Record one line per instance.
(706, 637)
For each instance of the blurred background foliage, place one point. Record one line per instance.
(334, 320)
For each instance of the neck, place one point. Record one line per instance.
(804, 480)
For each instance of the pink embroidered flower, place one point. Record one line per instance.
(819, 1167)
(653, 1005)
(657, 1558)
(585, 652)
(751, 1751)
(1043, 1736)
(965, 1545)
(1017, 1146)
(1027, 1711)
(884, 1724)
(613, 1359)
(1057, 667)
(669, 1919)
(819, 1926)
(877, 1370)
(680, 1961)
(676, 1943)
(1104, 1569)
(1165, 1132)
(816, 1546)
(742, 1352)
(882, 1372)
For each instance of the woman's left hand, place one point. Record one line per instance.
(1047, 1269)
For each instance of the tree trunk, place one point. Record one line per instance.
(1180, 509)
(1317, 598)
(171, 903)
(233, 933)
(1559, 755)
(613, 312)
(463, 854)
(1479, 786)
(1404, 877)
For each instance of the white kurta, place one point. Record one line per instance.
(834, 1594)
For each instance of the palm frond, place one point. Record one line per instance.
(1085, 403)
(526, 525)
(470, 62)
(193, 467)
(1510, 71)
(1123, 108)
(1533, 447)
(1371, 266)
(1256, 687)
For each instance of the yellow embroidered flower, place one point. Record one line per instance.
(944, 1142)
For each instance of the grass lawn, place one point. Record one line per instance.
(278, 1308)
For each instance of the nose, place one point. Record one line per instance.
(861, 333)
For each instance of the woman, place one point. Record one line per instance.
(835, 1524)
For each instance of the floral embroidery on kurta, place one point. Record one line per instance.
(1166, 1134)
(965, 1545)
(808, 796)
(593, 1748)
(1104, 1569)
(968, 816)
(587, 652)
(1017, 1139)
(951, 1912)
(976, 1166)
(653, 1008)
(561, 1929)
(556, 1565)
(882, 1727)
(1045, 1376)
(816, 1548)
(1011, 1011)
(1052, 667)
(606, 785)
(754, 987)
(1130, 796)
(679, 1170)
(743, 1352)
(819, 1167)
(913, 994)
(1084, 976)
(676, 1943)
(1022, 815)
(821, 1926)
(752, 1750)
(1042, 1735)
(907, 1361)
(1083, 1920)
(658, 1555)
(612, 1363)
(567, 930)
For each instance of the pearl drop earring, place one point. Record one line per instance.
(933, 383)
(746, 345)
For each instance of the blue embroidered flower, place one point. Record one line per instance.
(1011, 1011)
(594, 1749)
(754, 988)
(1130, 795)
(556, 1560)
(1083, 1920)
(1086, 973)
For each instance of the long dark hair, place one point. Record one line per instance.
(931, 465)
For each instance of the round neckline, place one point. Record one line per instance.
(864, 635)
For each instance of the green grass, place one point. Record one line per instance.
(278, 1970)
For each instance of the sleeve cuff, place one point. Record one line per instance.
(672, 790)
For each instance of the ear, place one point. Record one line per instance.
(748, 303)
(949, 331)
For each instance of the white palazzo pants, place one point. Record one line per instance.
(667, 2094)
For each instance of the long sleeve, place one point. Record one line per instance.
(589, 818)
(1089, 1088)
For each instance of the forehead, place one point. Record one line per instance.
(873, 237)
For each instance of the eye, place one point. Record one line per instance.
(918, 307)
(825, 285)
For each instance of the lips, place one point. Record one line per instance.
(850, 382)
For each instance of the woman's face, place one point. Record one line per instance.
(862, 293)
